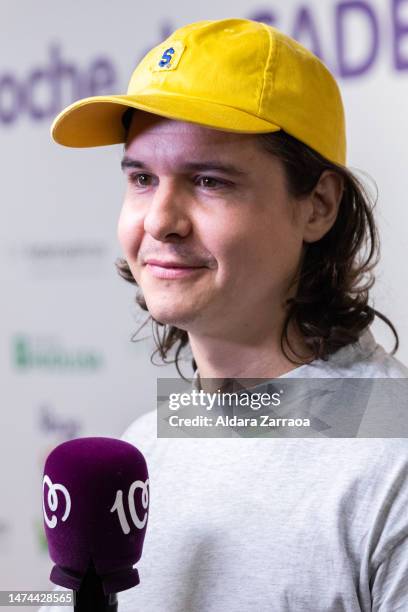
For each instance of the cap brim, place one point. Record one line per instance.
(96, 121)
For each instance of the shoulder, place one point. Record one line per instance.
(363, 359)
(385, 365)
(384, 486)
(142, 432)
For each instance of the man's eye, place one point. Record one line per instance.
(209, 182)
(141, 179)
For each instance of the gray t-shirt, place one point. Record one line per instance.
(277, 525)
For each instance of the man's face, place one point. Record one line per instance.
(216, 201)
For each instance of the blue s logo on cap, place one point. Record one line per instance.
(167, 57)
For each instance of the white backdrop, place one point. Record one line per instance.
(68, 367)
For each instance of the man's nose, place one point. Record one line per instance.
(167, 213)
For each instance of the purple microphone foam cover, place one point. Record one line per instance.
(95, 503)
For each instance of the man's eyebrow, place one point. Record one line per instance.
(205, 166)
(214, 165)
(128, 162)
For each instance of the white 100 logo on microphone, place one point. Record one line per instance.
(118, 505)
(52, 501)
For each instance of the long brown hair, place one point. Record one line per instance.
(330, 307)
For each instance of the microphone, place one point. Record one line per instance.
(95, 504)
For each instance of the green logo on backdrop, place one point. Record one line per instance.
(46, 353)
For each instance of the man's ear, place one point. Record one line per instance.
(323, 205)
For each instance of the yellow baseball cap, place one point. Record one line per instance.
(235, 75)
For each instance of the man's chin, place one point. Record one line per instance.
(172, 317)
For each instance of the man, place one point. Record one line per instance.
(240, 249)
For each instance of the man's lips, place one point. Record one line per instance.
(171, 270)
(172, 264)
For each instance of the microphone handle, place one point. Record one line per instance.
(91, 598)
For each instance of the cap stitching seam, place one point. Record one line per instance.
(266, 28)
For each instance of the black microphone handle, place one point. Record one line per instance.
(91, 598)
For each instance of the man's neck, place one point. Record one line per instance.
(223, 358)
